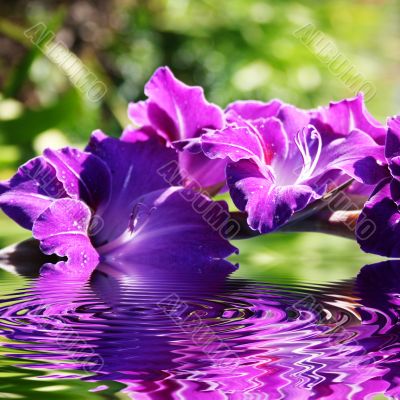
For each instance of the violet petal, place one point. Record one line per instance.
(135, 171)
(84, 175)
(378, 227)
(30, 191)
(63, 230)
(268, 205)
(252, 109)
(346, 115)
(357, 155)
(176, 229)
(175, 109)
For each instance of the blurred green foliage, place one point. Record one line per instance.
(235, 49)
(310, 258)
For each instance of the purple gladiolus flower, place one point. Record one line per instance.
(109, 203)
(378, 229)
(177, 112)
(282, 158)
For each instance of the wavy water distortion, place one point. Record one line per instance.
(203, 336)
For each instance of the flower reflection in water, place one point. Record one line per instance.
(221, 337)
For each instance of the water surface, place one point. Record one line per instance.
(200, 335)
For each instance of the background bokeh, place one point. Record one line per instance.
(233, 48)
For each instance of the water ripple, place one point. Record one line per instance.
(177, 336)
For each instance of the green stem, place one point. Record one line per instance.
(338, 223)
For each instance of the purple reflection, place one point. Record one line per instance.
(205, 335)
(379, 287)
